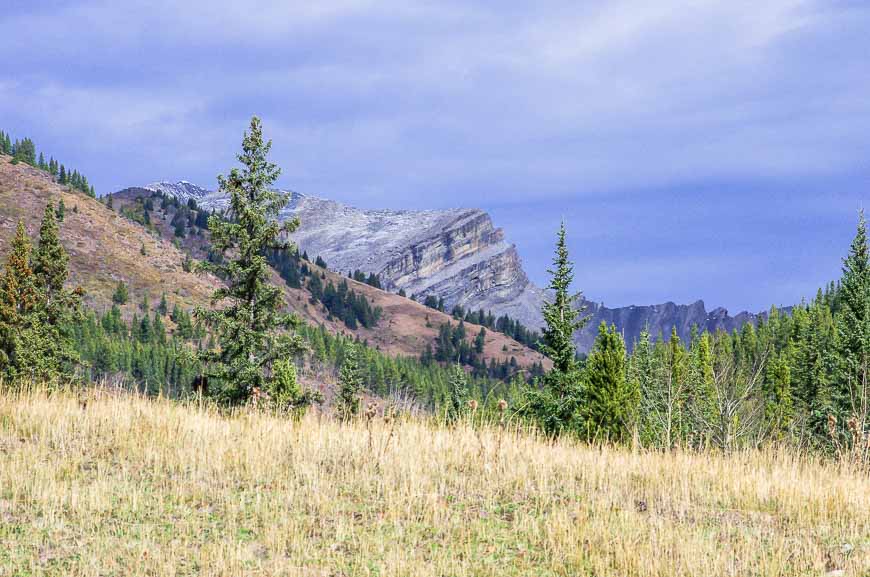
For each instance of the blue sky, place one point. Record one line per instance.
(712, 149)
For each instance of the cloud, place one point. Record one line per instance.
(418, 104)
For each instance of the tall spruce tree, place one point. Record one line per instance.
(247, 313)
(50, 260)
(853, 330)
(612, 400)
(555, 402)
(561, 316)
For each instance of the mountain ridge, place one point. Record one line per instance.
(459, 256)
(106, 247)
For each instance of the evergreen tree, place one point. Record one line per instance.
(458, 393)
(285, 391)
(480, 341)
(779, 405)
(33, 343)
(61, 210)
(852, 319)
(556, 405)
(50, 260)
(121, 295)
(562, 319)
(163, 307)
(248, 317)
(643, 372)
(61, 307)
(611, 399)
(18, 301)
(350, 384)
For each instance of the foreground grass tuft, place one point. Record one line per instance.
(104, 484)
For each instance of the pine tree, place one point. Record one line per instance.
(562, 319)
(286, 393)
(61, 210)
(349, 385)
(611, 399)
(30, 346)
(248, 316)
(643, 372)
(853, 328)
(163, 307)
(556, 404)
(480, 341)
(120, 296)
(673, 390)
(50, 261)
(458, 393)
(18, 300)
(779, 405)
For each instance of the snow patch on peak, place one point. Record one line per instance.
(182, 190)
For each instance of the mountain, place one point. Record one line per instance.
(106, 247)
(660, 318)
(454, 254)
(405, 327)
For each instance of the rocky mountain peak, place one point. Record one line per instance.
(182, 190)
(457, 255)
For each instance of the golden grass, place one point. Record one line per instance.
(112, 484)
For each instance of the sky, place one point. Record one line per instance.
(708, 149)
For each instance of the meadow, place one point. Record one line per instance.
(98, 482)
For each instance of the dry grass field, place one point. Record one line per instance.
(101, 483)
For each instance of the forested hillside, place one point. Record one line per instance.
(139, 292)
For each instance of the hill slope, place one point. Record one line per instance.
(405, 327)
(105, 248)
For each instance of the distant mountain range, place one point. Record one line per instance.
(457, 255)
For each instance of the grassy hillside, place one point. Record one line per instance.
(110, 484)
(105, 247)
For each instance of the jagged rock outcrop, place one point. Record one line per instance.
(457, 255)
(659, 319)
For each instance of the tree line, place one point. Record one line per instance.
(24, 150)
(800, 378)
(503, 324)
(452, 346)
